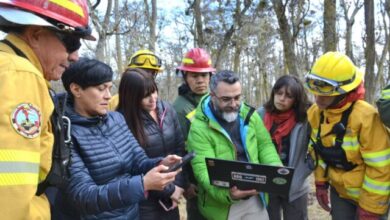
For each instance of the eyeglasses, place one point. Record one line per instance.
(141, 59)
(70, 42)
(228, 100)
(325, 86)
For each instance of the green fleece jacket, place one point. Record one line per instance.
(208, 139)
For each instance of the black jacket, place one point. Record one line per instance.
(163, 138)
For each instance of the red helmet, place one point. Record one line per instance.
(64, 15)
(196, 60)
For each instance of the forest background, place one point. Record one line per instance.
(260, 40)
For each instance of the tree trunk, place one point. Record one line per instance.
(152, 19)
(199, 24)
(370, 49)
(237, 24)
(285, 35)
(330, 37)
(118, 47)
(101, 28)
(349, 22)
(237, 55)
(380, 79)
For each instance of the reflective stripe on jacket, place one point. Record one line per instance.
(114, 101)
(367, 145)
(24, 160)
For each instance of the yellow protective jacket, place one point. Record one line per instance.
(367, 145)
(113, 102)
(25, 133)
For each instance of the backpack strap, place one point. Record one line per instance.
(248, 116)
(338, 157)
(339, 129)
(58, 174)
(14, 48)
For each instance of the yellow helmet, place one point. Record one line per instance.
(333, 74)
(145, 59)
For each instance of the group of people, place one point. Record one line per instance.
(122, 146)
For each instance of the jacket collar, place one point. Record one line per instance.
(185, 91)
(27, 50)
(77, 119)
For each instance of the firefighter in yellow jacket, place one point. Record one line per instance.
(43, 38)
(349, 144)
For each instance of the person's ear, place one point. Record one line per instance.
(32, 35)
(75, 90)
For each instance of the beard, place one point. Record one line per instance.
(229, 116)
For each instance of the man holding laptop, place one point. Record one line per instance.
(228, 129)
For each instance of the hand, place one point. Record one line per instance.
(366, 215)
(155, 179)
(170, 160)
(240, 194)
(176, 195)
(191, 191)
(322, 195)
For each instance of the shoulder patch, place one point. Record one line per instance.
(26, 120)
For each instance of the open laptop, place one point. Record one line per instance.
(244, 175)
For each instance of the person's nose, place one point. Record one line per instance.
(107, 94)
(319, 99)
(233, 103)
(200, 80)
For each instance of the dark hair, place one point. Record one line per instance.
(226, 76)
(135, 85)
(85, 73)
(301, 102)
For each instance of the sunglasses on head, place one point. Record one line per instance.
(70, 42)
(141, 59)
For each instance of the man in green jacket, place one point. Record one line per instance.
(196, 70)
(226, 128)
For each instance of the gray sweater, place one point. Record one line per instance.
(299, 141)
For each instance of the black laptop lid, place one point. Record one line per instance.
(246, 176)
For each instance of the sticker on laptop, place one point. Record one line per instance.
(279, 180)
(283, 171)
(248, 177)
(211, 163)
(221, 183)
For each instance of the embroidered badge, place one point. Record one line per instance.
(26, 119)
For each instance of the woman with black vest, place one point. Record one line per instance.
(109, 171)
(156, 127)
